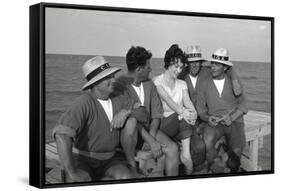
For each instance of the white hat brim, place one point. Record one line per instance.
(100, 76)
(195, 59)
(223, 62)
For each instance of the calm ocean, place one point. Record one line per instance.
(64, 80)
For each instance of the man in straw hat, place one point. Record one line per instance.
(137, 85)
(92, 125)
(222, 110)
(193, 74)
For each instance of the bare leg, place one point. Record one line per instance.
(128, 141)
(171, 154)
(186, 156)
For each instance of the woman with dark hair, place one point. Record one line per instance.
(179, 112)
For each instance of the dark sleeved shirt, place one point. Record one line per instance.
(152, 102)
(87, 123)
(209, 101)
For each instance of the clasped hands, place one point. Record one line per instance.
(189, 115)
(224, 120)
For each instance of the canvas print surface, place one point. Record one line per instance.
(136, 96)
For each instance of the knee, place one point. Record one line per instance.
(209, 140)
(130, 126)
(172, 150)
(238, 152)
(185, 157)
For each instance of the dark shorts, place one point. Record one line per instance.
(175, 128)
(97, 168)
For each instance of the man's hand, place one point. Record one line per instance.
(136, 105)
(140, 114)
(212, 121)
(227, 120)
(146, 146)
(156, 149)
(79, 175)
(119, 119)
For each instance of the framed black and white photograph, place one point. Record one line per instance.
(122, 95)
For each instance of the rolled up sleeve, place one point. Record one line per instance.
(64, 130)
(73, 119)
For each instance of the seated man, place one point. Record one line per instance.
(221, 109)
(92, 125)
(194, 73)
(135, 84)
(196, 70)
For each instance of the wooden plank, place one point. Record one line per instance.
(54, 176)
(246, 164)
(51, 153)
(259, 131)
(260, 142)
(253, 153)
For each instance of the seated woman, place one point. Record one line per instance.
(179, 113)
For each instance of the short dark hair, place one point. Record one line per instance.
(172, 55)
(137, 56)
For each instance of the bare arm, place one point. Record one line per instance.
(186, 100)
(154, 125)
(238, 113)
(64, 147)
(164, 95)
(119, 119)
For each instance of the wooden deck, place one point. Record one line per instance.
(257, 125)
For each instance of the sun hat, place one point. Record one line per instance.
(221, 55)
(193, 54)
(96, 69)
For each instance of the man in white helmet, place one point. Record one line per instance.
(222, 110)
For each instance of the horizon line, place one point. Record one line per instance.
(152, 57)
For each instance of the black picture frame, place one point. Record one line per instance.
(37, 165)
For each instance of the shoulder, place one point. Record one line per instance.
(158, 79)
(82, 104)
(83, 99)
(148, 83)
(181, 83)
(149, 86)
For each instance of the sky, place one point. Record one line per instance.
(91, 32)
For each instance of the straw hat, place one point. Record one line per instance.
(96, 69)
(221, 55)
(193, 54)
